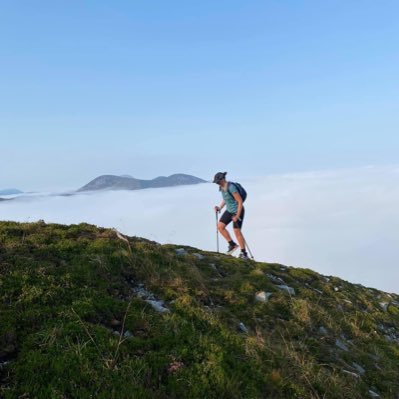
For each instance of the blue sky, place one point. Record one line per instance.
(156, 87)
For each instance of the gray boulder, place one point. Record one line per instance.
(384, 306)
(158, 306)
(287, 289)
(341, 345)
(373, 394)
(243, 328)
(128, 334)
(142, 293)
(275, 279)
(262, 296)
(359, 368)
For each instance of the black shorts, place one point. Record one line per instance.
(227, 218)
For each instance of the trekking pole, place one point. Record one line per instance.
(217, 232)
(247, 246)
(249, 250)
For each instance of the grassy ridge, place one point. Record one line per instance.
(76, 321)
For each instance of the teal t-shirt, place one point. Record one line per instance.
(231, 203)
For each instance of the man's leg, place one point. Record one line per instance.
(224, 221)
(224, 232)
(237, 231)
(240, 238)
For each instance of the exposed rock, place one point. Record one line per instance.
(150, 298)
(243, 328)
(142, 293)
(285, 288)
(262, 296)
(384, 306)
(344, 339)
(115, 323)
(181, 251)
(199, 256)
(359, 368)
(275, 279)
(323, 331)
(128, 334)
(318, 291)
(351, 373)
(341, 345)
(336, 289)
(391, 334)
(391, 338)
(158, 306)
(373, 394)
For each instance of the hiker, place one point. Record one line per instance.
(233, 198)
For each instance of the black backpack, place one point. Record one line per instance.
(241, 190)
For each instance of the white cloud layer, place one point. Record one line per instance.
(343, 223)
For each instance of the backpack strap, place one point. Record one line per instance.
(228, 189)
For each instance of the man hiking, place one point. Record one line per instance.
(235, 212)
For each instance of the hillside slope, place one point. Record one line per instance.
(88, 313)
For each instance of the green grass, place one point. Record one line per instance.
(63, 288)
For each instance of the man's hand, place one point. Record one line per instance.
(235, 218)
(217, 209)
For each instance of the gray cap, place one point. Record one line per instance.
(219, 176)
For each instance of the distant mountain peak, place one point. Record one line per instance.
(10, 191)
(126, 182)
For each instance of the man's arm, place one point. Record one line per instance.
(220, 207)
(238, 198)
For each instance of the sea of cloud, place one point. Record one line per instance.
(343, 222)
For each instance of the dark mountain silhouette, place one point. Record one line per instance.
(111, 182)
(10, 191)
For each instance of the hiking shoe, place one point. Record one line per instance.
(244, 256)
(232, 248)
